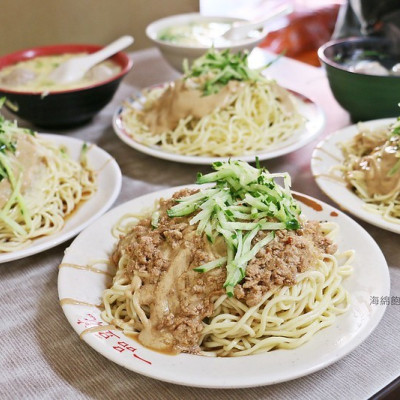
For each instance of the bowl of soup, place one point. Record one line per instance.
(364, 76)
(30, 94)
(188, 36)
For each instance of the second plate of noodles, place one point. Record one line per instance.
(51, 187)
(219, 109)
(359, 168)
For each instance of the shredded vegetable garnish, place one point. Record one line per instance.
(8, 145)
(220, 68)
(395, 134)
(155, 219)
(396, 127)
(243, 202)
(83, 156)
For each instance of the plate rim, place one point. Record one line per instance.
(206, 160)
(60, 237)
(324, 182)
(357, 340)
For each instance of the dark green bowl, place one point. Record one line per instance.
(365, 97)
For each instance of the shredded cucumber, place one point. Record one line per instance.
(8, 146)
(155, 217)
(244, 201)
(220, 67)
(211, 265)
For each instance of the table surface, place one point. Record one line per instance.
(41, 355)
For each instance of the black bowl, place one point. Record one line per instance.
(66, 108)
(364, 96)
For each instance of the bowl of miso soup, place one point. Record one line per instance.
(31, 95)
(364, 75)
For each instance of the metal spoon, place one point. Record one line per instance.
(74, 69)
(240, 30)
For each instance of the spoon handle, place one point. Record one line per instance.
(279, 12)
(109, 50)
(242, 28)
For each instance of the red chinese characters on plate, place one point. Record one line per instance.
(92, 324)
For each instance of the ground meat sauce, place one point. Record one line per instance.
(278, 263)
(179, 298)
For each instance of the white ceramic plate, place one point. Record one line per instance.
(315, 123)
(109, 186)
(370, 278)
(326, 155)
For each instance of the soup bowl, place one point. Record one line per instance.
(364, 96)
(62, 108)
(175, 53)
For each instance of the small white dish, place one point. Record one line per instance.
(326, 155)
(81, 289)
(108, 188)
(315, 123)
(175, 53)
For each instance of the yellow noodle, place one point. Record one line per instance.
(387, 205)
(256, 119)
(64, 183)
(284, 319)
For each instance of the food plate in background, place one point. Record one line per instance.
(80, 290)
(315, 123)
(326, 155)
(108, 188)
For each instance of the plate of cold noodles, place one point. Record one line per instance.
(219, 109)
(237, 275)
(359, 168)
(51, 187)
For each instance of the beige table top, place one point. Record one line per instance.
(41, 357)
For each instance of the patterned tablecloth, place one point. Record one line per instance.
(41, 357)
